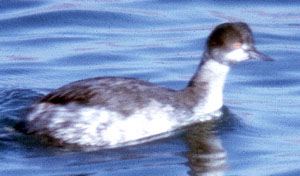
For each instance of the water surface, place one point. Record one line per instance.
(46, 44)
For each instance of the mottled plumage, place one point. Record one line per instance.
(110, 111)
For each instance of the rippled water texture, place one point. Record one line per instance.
(46, 44)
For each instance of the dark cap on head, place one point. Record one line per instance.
(228, 33)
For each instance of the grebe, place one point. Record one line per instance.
(111, 111)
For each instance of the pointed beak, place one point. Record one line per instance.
(254, 54)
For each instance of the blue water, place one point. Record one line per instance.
(46, 44)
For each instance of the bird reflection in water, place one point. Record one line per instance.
(206, 155)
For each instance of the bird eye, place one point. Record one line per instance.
(237, 45)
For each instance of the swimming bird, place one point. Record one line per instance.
(112, 111)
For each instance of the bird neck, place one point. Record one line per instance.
(207, 85)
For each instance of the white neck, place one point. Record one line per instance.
(210, 78)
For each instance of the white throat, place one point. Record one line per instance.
(214, 73)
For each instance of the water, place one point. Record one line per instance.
(46, 44)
